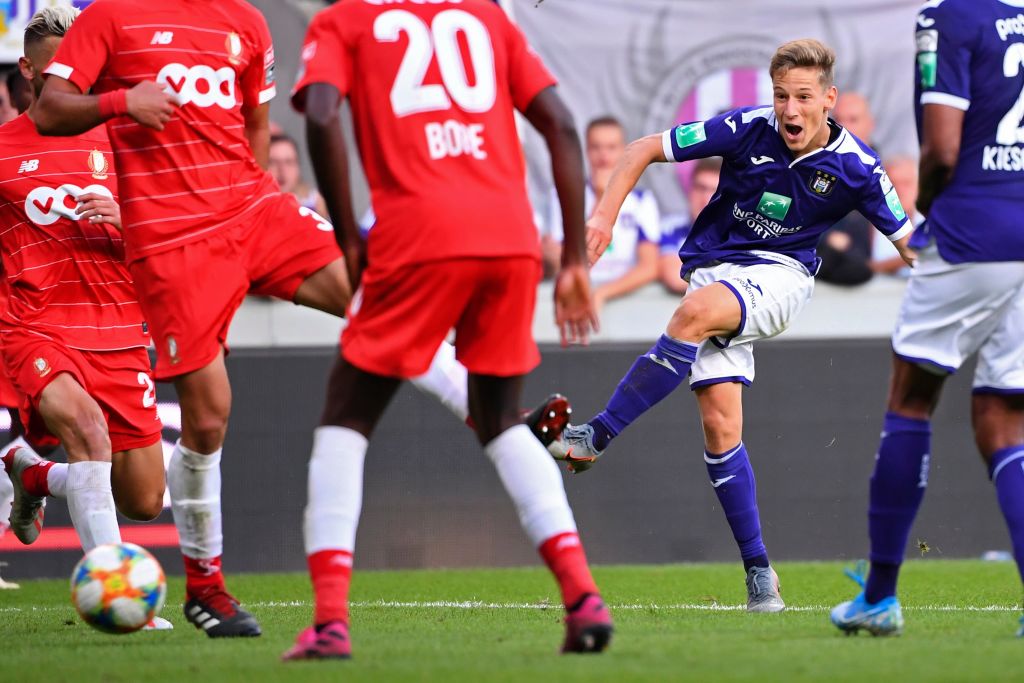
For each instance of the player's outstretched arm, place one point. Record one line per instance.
(941, 129)
(575, 314)
(329, 156)
(63, 109)
(638, 156)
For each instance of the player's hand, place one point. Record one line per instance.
(599, 236)
(98, 208)
(574, 306)
(908, 255)
(150, 105)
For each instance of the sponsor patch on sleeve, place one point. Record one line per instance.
(690, 134)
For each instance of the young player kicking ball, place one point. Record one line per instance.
(966, 296)
(454, 246)
(789, 174)
(73, 337)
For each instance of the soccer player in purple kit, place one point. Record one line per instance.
(966, 295)
(789, 173)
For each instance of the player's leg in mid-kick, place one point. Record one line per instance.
(732, 476)
(74, 417)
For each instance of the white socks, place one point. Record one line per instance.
(91, 503)
(534, 483)
(335, 489)
(193, 480)
(447, 381)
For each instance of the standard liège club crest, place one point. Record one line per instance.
(42, 366)
(234, 48)
(98, 164)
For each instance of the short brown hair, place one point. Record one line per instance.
(805, 53)
(606, 120)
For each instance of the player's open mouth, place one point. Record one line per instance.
(792, 131)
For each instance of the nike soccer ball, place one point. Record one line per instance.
(118, 588)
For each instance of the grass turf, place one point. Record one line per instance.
(673, 622)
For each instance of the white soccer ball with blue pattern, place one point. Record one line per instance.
(118, 588)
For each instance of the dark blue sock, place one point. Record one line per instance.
(897, 488)
(653, 376)
(1007, 472)
(733, 479)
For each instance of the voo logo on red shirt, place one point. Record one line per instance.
(200, 85)
(47, 205)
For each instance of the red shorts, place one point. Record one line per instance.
(190, 294)
(9, 396)
(397, 320)
(119, 381)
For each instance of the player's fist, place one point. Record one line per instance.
(150, 105)
(574, 305)
(99, 208)
(908, 255)
(599, 236)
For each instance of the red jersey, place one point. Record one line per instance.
(433, 88)
(65, 278)
(215, 57)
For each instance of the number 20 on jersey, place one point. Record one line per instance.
(409, 95)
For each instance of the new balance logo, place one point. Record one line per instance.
(162, 38)
(718, 482)
(663, 363)
(757, 161)
(28, 166)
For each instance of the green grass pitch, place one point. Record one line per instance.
(674, 622)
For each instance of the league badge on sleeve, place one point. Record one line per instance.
(690, 134)
(233, 43)
(823, 183)
(98, 165)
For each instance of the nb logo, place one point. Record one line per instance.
(162, 38)
(28, 166)
(200, 85)
(47, 205)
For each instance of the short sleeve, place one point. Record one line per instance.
(258, 84)
(943, 58)
(648, 219)
(721, 136)
(879, 203)
(325, 58)
(527, 75)
(86, 48)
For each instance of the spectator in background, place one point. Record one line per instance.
(853, 113)
(285, 167)
(8, 111)
(18, 90)
(674, 229)
(631, 260)
(846, 248)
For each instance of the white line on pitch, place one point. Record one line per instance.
(474, 604)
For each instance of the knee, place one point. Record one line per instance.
(141, 506)
(204, 431)
(88, 436)
(722, 431)
(688, 321)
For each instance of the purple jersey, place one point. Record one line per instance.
(770, 207)
(970, 55)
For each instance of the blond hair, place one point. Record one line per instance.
(50, 21)
(805, 53)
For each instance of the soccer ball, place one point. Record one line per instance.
(118, 588)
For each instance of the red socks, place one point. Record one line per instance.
(202, 576)
(331, 572)
(34, 479)
(564, 556)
